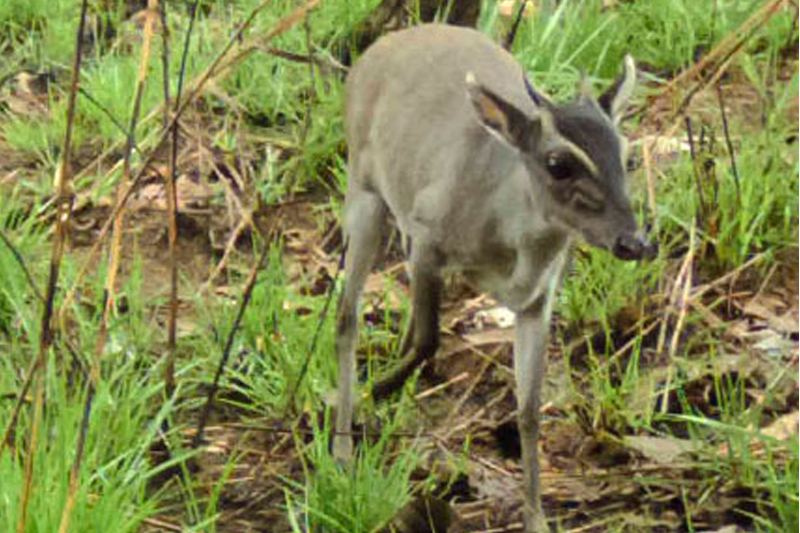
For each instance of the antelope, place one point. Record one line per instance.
(485, 175)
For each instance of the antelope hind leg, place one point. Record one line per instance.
(423, 329)
(364, 218)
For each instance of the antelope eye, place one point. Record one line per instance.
(561, 166)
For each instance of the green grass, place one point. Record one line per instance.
(758, 215)
(750, 461)
(39, 137)
(662, 34)
(16, 295)
(116, 468)
(342, 499)
(127, 409)
(275, 337)
(18, 17)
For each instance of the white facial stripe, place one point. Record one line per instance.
(582, 157)
(548, 127)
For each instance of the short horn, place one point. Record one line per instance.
(585, 86)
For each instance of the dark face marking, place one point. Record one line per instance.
(587, 175)
(563, 165)
(574, 156)
(591, 131)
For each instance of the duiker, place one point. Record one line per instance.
(482, 174)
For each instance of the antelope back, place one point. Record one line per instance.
(438, 118)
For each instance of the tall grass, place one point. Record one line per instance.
(126, 419)
(299, 110)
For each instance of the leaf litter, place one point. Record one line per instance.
(590, 480)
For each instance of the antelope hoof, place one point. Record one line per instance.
(539, 525)
(343, 448)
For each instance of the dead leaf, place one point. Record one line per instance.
(662, 450)
(490, 336)
(191, 196)
(772, 310)
(508, 8)
(497, 316)
(726, 529)
(784, 428)
(480, 339)
(664, 150)
(774, 344)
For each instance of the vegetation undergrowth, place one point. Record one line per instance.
(271, 128)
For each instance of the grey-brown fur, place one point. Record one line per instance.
(484, 175)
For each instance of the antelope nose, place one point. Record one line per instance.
(629, 247)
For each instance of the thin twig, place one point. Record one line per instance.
(700, 290)
(505, 369)
(320, 322)
(259, 43)
(165, 62)
(226, 352)
(278, 430)
(172, 203)
(729, 144)
(171, 194)
(508, 42)
(108, 296)
(647, 162)
(116, 122)
(696, 171)
(790, 34)
(711, 67)
(441, 386)
(161, 524)
(107, 112)
(64, 206)
(230, 246)
(122, 188)
(480, 414)
(509, 528)
(216, 69)
(308, 118)
(670, 302)
(643, 332)
(683, 306)
(459, 404)
(12, 423)
(728, 46)
(74, 473)
(325, 66)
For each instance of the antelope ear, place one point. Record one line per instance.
(614, 101)
(501, 118)
(539, 98)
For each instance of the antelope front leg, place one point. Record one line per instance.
(530, 353)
